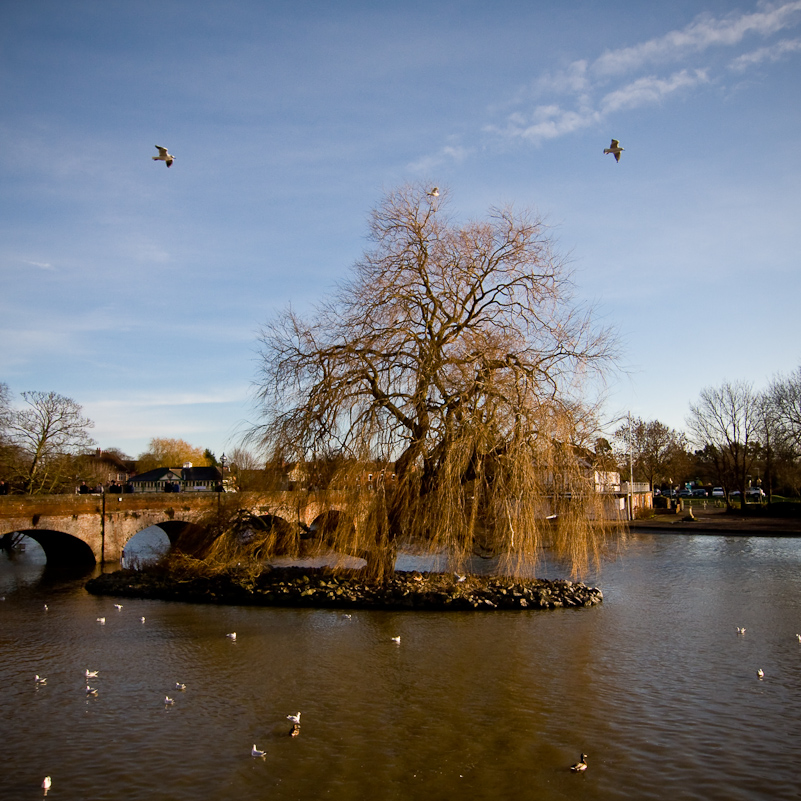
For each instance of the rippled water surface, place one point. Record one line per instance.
(655, 685)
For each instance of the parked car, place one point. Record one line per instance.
(717, 492)
(685, 493)
(751, 492)
(699, 492)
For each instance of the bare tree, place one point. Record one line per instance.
(784, 397)
(456, 357)
(5, 407)
(240, 458)
(726, 420)
(656, 449)
(6, 448)
(46, 435)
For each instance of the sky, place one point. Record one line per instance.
(139, 291)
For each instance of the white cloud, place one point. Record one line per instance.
(703, 32)
(42, 265)
(448, 153)
(648, 90)
(550, 122)
(771, 53)
(167, 399)
(581, 94)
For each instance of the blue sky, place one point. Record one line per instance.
(139, 291)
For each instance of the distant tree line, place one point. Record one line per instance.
(46, 447)
(40, 441)
(737, 437)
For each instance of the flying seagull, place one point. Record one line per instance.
(164, 156)
(615, 149)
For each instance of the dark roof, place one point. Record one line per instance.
(159, 474)
(201, 473)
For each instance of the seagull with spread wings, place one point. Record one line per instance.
(164, 156)
(615, 149)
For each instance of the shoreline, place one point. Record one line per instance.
(715, 522)
(303, 587)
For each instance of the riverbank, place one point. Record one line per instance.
(716, 521)
(320, 587)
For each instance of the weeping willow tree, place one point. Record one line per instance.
(454, 361)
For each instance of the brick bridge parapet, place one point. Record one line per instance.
(104, 523)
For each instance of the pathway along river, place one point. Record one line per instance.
(655, 685)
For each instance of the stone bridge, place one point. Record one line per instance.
(95, 528)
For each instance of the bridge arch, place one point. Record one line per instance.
(329, 522)
(61, 548)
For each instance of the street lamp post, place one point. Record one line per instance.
(222, 473)
(631, 472)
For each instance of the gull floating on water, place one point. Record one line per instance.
(118, 607)
(760, 674)
(254, 752)
(179, 686)
(231, 636)
(46, 784)
(90, 690)
(294, 718)
(39, 679)
(168, 701)
(740, 630)
(295, 730)
(581, 764)
(396, 639)
(615, 149)
(798, 637)
(164, 156)
(90, 674)
(142, 619)
(101, 620)
(46, 607)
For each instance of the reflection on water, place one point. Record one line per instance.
(654, 685)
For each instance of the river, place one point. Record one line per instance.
(655, 685)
